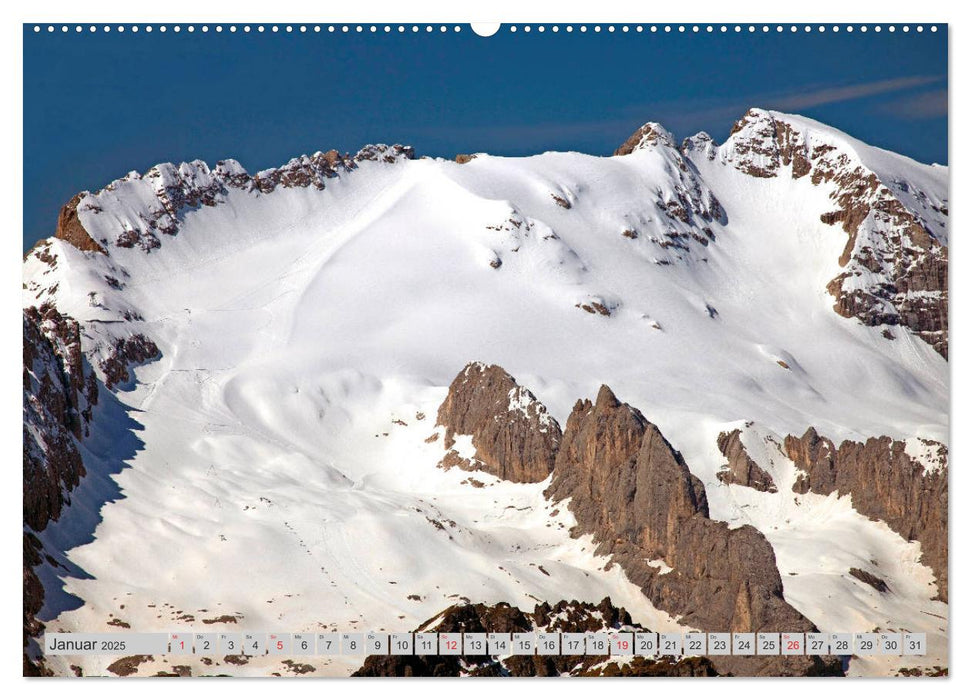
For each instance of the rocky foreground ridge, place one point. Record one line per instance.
(628, 487)
(563, 616)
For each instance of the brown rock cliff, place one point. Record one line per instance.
(515, 437)
(741, 468)
(885, 483)
(632, 491)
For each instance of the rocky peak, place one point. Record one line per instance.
(755, 145)
(513, 435)
(700, 144)
(628, 487)
(815, 451)
(70, 229)
(599, 434)
(895, 258)
(687, 207)
(606, 399)
(622, 475)
(650, 135)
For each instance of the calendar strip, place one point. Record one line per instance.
(613, 643)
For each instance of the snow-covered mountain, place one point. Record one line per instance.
(342, 394)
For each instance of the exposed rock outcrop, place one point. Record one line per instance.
(702, 144)
(126, 353)
(128, 665)
(629, 488)
(561, 617)
(59, 391)
(69, 228)
(741, 468)
(650, 134)
(687, 206)
(32, 603)
(895, 259)
(885, 483)
(875, 582)
(513, 434)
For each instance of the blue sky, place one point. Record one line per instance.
(98, 105)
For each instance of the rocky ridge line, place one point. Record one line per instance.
(179, 188)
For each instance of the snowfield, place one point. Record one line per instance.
(277, 463)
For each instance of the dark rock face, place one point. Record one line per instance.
(885, 484)
(59, 390)
(890, 247)
(69, 228)
(741, 468)
(33, 602)
(515, 437)
(128, 665)
(635, 494)
(875, 582)
(127, 352)
(561, 617)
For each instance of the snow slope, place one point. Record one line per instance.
(308, 336)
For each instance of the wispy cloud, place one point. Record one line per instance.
(686, 116)
(923, 105)
(807, 97)
(847, 93)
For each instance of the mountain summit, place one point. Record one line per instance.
(893, 210)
